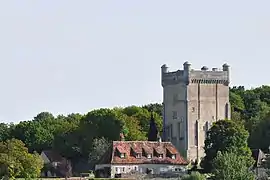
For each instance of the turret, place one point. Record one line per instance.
(164, 68)
(187, 68)
(226, 67)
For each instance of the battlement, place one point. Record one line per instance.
(188, 75)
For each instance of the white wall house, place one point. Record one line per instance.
(141, 156)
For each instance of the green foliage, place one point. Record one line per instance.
(260, 135)
(229, 165)
(236, 101)
(143, 115)
(225, 136)
(73, 135)
(156, 107)
(4, 132)
(100, 147)
(32, 166)
(194, 176)
(15, 161)
(254, 114)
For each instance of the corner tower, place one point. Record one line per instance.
(192, 101)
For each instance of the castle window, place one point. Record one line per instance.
(206, 128)
(196, 133)
(174, 115)
(193, 109)
(227, 111)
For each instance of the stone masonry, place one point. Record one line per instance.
(192, 101)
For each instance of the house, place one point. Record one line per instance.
(55, 165)
(145, 157)
(259, 158)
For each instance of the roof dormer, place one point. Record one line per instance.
(136, 152)
(120, 151)
(170, 153)
(122, 155)
(149, 156)
(159, 151)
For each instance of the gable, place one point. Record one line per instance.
(52, 156)
(45, 158)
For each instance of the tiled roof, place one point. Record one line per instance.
(154, 148)
(53, 156)
(258, 156)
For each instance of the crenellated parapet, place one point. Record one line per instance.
(188, 75)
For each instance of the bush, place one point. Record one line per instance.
(194, 176)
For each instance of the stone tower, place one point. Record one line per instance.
(192, 101)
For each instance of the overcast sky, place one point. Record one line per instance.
(66, 56)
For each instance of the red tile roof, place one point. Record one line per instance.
(144, 147)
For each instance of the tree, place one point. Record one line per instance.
(134, 130)
(67, 139)
(99, 148)
(153, 132)
(225, 136)
(194, 176)
(36, 136)
(15, 161)
(32, 165)
(4, 132)
(236, 101)
(229, 165)
(143, 116)
(156, 107)
(260, 135)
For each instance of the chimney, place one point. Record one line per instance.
(122, 137)
(159, 138)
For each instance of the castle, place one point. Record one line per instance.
(192, 101)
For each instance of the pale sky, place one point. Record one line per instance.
(66, 56)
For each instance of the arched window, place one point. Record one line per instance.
(196, 134)
(226, 111)
(206, 128)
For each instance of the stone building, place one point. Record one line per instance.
(193, 100)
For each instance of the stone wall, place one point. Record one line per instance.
(193, 100)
